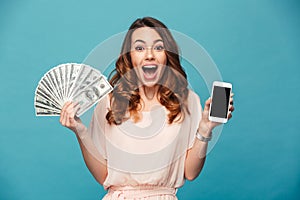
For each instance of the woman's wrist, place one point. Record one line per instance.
(200, 137)
(204, 130)
(80, 131)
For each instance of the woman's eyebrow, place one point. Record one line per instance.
(142, 41)
(158, 40)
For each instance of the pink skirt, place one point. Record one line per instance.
(144, 192)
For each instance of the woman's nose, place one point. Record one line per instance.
(149, 53)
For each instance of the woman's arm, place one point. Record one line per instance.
(196, 155)
(96, 167)
(69, 120)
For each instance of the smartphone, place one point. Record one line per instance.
(219, 107)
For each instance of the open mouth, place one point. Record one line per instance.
(150, 71)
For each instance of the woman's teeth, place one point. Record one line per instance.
(149, 71)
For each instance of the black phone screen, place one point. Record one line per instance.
(220, 98)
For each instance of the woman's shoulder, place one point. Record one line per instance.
(194, 104)
(193, 96)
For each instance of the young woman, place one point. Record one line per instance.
(141, 142)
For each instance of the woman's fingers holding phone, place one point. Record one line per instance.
(231, 108)
(229, 115)
(231, 98)
(207, 105)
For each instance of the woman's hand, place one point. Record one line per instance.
(205, 125)
(69, 119)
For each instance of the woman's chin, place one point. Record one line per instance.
(149, 83)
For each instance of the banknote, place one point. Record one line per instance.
(46, 112)
(72, 78)
(49, 80)
(91, 94)
(88, 76)
(61, 72)
(69, 82)
(42, 97)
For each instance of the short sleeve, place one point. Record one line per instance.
(94, 139)
(195, 109)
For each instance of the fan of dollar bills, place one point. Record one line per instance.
(69, 82)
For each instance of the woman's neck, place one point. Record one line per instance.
(149, 96)
(148, 93)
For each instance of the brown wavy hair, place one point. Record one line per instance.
(172, 91)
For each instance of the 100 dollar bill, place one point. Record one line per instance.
(91, 94)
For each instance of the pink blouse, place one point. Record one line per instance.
(145, 160)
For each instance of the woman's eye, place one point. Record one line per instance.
(159, 48)
(139, 48)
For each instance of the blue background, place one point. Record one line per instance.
(255, 45)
